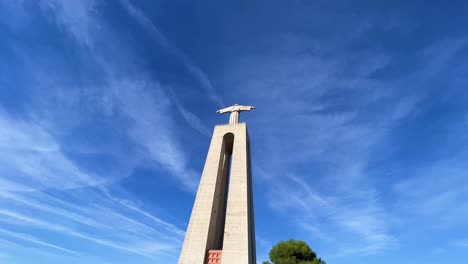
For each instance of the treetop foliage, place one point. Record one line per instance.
(293, 252)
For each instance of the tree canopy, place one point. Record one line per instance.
(293, 252)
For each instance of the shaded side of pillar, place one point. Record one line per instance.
(206, 226)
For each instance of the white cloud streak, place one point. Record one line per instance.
(151, 127)
(334, 199)
(127, 233)
(333, 124)
(191, 118)
(35, 164)
(140, 99)
(33, 159)
(75, 17)
(35, 240)
(329, 132)
(162, 40)
(435, 191)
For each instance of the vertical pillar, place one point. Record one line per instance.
(222, 215)
(239, 231)
(206, 224)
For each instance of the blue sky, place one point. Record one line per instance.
(358, 140)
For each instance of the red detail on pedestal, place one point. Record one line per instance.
(214, 256)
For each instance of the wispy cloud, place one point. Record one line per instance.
(35, 164)
(343, 117)
(193, 120)
(334, 218)
(140, 99)
(46, 190)
(329, 111)
(340, 122)
(159, 221)
(435, 191)
(34, 160)
(151, 126)
(76, 18)
(127, 233)
(162, 40)
(35, 240)
(334, 201)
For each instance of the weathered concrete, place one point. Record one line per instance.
(222, 215)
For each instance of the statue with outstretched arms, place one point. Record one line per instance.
(235, 110)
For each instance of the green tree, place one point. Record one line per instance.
(293, 252)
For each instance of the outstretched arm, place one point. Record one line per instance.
(245, 108)
(225, 110)
(235, 108)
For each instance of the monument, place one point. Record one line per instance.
(221, 227)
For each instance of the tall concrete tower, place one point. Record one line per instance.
(221, 228)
